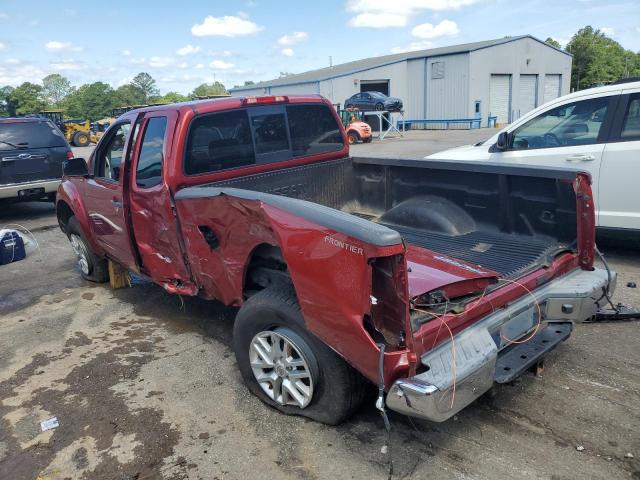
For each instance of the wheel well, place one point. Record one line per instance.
(266, 267)
(64, 213)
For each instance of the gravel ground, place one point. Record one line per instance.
(145, 386)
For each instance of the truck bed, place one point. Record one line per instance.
(506, 219)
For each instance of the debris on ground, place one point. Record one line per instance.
(580, 448)
(49, 424)
(631, 284)
(628, 455)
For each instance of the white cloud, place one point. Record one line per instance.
(227, 26)
(183, 65)
(137, 61)
(397, 13)
(2, 46)
(3, 16)
(187, 50)
(66, 65)
(445, 28)
(378, 20)
(608, 31)
(13, 61)
(18, 74)
(126, 53)
(293, 38)
(413, 46)
(200, 66)
(406, 6)
(160, 62)
(287, 52)
(221, 64)
(55, 46)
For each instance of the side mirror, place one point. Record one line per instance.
(503, 141)
(75, 167)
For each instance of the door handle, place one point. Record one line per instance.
(8, 159)
(581, 157)
(116, 203)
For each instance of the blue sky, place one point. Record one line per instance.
(182, 44)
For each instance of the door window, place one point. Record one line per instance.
(576, 123)
(109, 156)
(149, 168)
(631, 125)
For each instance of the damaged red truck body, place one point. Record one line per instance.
(467, 274)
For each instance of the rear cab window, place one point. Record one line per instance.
(259, 135)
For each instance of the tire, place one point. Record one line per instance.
(81, 139)
(353, 137)
(379, 106)
(330, 392)
(91, 267)
(369, 139)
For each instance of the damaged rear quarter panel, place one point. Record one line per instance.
(330, 271)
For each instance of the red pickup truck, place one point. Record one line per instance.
(431, 279)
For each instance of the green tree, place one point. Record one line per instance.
(172, 97)
(599, 59)
(146, 84)
(248, 83)
(55, 88)
(27, 98)
(129, 94)
(206, 89)
(552, 42)
(93, 101)
(7, 107)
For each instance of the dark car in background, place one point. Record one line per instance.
(369, 101)
(31, 154)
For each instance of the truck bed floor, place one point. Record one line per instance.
(507, 254)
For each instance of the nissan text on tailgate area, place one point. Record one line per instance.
(432, 280)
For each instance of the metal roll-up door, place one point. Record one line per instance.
(500, 97)
(551, 87)
(528, 94)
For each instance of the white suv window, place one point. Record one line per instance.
(576, 123)
(631, 126)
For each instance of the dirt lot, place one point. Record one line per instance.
(145, 386)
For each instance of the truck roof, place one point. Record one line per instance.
(226, 103)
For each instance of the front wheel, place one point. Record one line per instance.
(352, 137)
(81, 139)
(91, 267)
(286, 366)
(379, 107)
(368, 139)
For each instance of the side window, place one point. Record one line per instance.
(631, 125)
(366, 96)
(313, 130)
(109, 157)
(149, 169)
(576, 123)
(270, 133)
(219, 141)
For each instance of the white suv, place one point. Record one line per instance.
(595, 130)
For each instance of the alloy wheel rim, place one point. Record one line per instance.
(80, 250)
(280, 369)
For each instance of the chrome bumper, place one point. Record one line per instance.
(11, 190)
(430, 395)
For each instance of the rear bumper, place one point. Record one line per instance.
(11, 190)
(482, 357)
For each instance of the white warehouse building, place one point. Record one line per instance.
(504, 78)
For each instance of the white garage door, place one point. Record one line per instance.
(500, 97)
(551, 87)
(528, 93)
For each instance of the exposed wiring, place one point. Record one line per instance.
(606, 291)
(539, 322)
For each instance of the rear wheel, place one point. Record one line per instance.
(368, 139)
(81, 139)
(349, 106)
(379, 106)
(91, 267)
(286, 366)
(352, 137)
